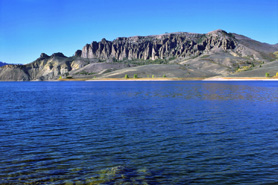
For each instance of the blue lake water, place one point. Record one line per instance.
(139, 132)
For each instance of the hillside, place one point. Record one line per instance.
(180, 54)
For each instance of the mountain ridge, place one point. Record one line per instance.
(212, 54)
(3, 63)
(156, 46)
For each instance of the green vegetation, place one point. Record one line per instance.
(152, 76)
(84, 73)
(171, 58)
(270, 56)
(231, 35)
(201, 39)
(135, 76)
(120, 175)
(266, 74)
(60, 77)
(140, 62)
(205, 56)
(244, 68)
(126, 76)
(148, 76)
(276, 54)
(164, 76)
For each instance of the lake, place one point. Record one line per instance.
(174, 132)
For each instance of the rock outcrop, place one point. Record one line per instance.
(159, 46)
(44, 68)
(78, 53)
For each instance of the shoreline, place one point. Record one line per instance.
(176, 79)
(145, 79)
(240, 79)
(210, 79)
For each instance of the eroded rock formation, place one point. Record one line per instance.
(159, 46)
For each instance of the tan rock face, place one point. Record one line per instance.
(158, 47)
(44, 68)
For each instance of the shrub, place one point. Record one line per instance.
(164, 76)
(135, 76)
(152, 76)
(126, 76)
(276, 54)
(266, 74)
(244, 68)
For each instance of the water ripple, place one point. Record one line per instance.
(139, 133)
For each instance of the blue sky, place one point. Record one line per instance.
(30, 27)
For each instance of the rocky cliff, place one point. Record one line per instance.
(211, 54)
(44, 68)
(179, 44)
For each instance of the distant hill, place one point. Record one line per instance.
(179, 54)
(2, 63)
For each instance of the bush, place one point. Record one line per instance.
(276, 54)
(164, 76)
(244, 68)
(135, 76)
(152, 76)
(126, 76)
(266, 74)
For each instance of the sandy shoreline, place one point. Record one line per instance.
(240, 79)
(159, 79)
(176, 79)
(146, 79)
(164, 79)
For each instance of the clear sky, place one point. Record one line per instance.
(31, 27)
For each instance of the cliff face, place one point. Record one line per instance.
(159, 46)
